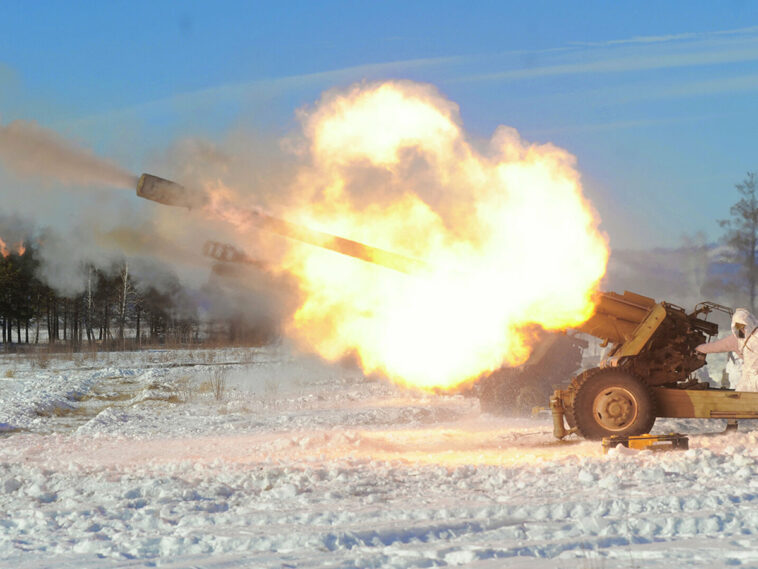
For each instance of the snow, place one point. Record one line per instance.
(130, 460)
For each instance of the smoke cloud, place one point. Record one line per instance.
(42, 175)
(29, 150)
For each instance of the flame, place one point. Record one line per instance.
(5, 250)
(508, 238)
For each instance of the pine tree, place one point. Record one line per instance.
(741, 233)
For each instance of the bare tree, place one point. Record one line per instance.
(88, 313)
(741, 233)
(124, 291)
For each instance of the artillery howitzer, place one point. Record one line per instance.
(226, 256)
(170, 193)
(646, 374)
(225, 252)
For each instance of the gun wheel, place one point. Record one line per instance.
(576, 382)
(613, 402)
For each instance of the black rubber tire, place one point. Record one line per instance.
(576, 381)
(612, 402)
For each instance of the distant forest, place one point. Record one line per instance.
(114, 311)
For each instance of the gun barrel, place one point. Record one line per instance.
(617, 315)
(341, 245)
(170, 193)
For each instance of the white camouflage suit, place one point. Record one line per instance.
(744, 342)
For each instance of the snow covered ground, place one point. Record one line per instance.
(136, 460)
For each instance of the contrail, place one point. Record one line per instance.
(30, 150)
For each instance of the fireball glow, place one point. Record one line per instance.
(508, 237)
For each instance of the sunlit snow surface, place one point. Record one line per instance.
(129, 460)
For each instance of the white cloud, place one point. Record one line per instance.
(707, 87)
(673, 37)
(634, 55)
(256, 90)
(625, 124)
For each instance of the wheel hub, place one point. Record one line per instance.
(615, 408)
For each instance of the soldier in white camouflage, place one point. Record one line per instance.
(743, 341)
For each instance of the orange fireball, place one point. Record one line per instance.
(506, 234)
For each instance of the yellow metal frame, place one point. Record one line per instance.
(705, 403)
(643, 333)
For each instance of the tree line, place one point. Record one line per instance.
(113, 311)
(741, 237)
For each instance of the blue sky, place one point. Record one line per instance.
(658, 101)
